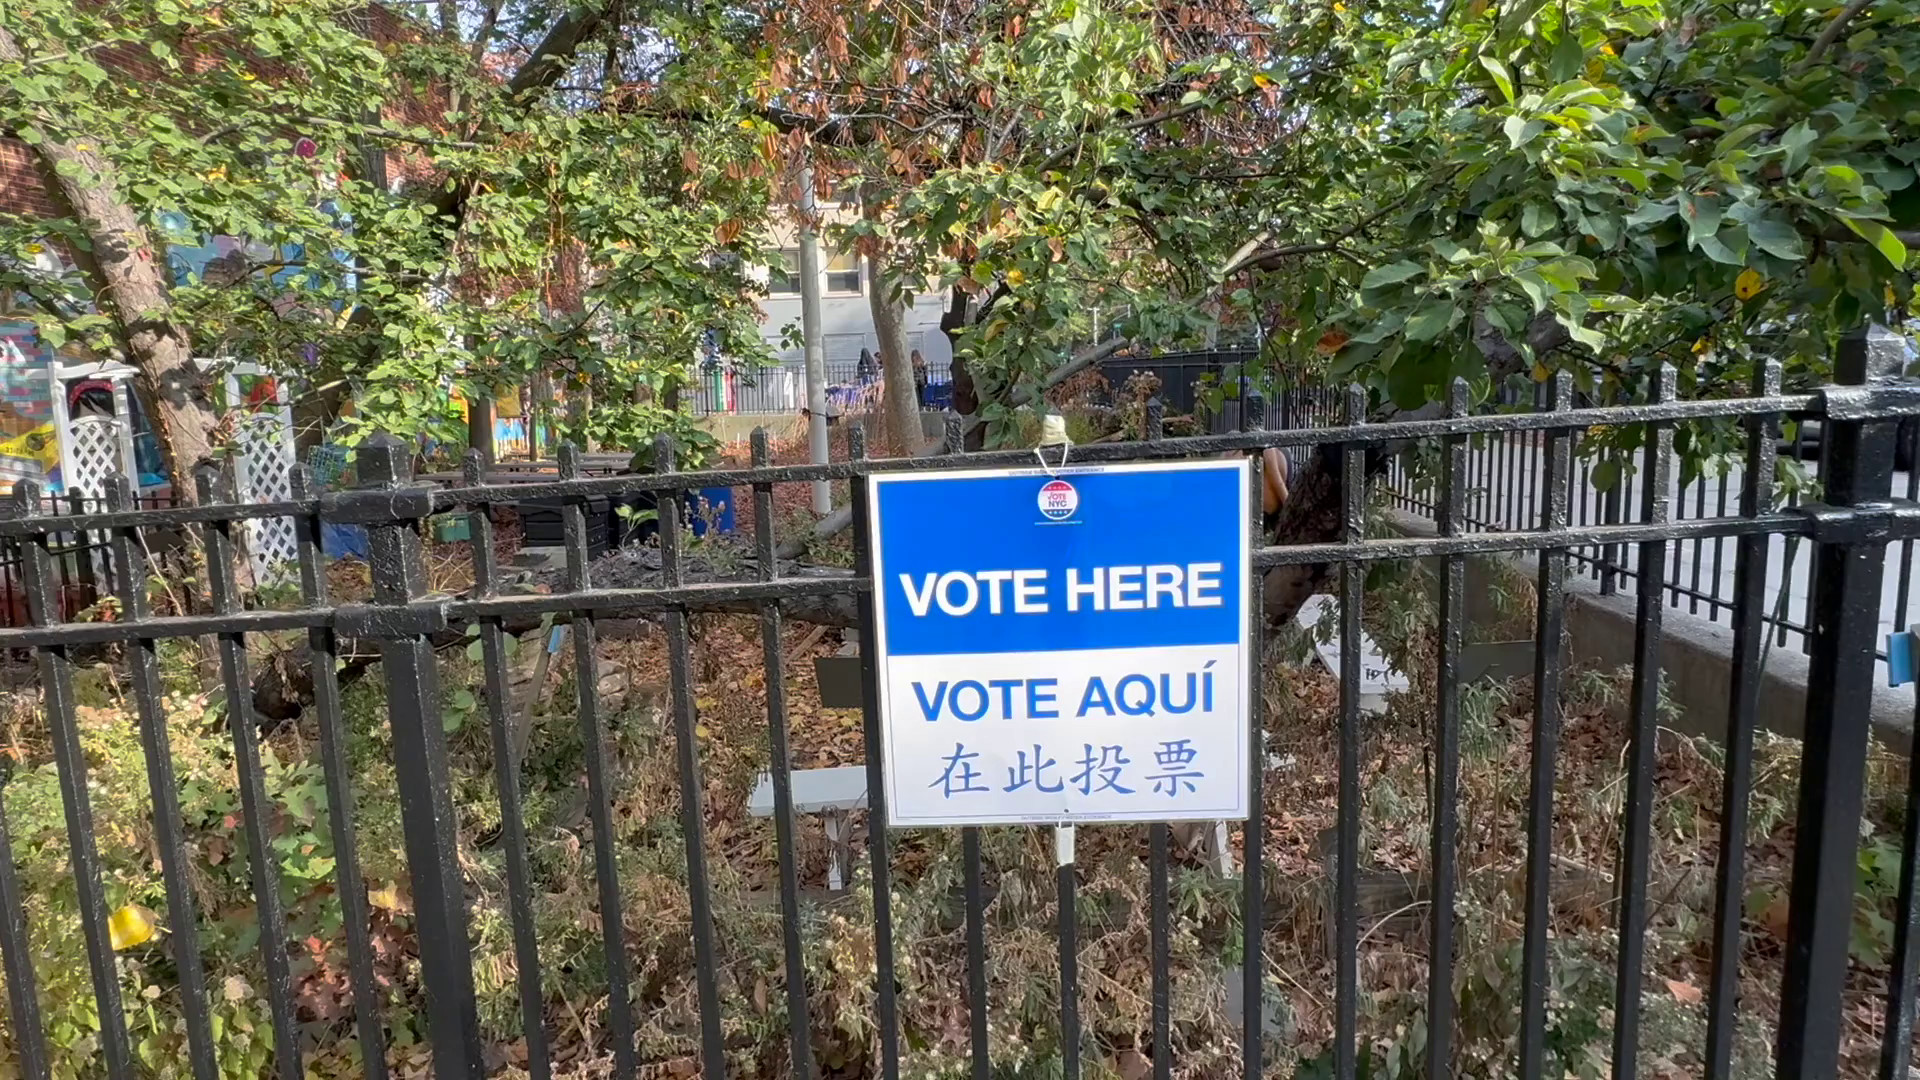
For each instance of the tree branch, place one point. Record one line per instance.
(1265, 259)
(1831, 34)
(543, 68)
(1840, 234)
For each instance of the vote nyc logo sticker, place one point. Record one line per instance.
(1058, 500)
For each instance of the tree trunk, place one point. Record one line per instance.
(579, 409)
(130, 284)
(480, 425)
(966, 398)
(902, 405)
(540, 417)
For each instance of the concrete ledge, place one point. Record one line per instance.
(1695, 653)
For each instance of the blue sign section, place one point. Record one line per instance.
(1031, 562)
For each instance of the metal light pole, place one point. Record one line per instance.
(811, 333)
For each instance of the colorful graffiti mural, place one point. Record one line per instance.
(29, 444)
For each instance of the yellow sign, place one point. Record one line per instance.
(39, 445)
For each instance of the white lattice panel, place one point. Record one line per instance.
(263, 444)
(94, 457)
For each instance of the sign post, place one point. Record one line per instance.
(1063, 646)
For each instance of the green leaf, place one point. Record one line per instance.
(1536, 218)
(463, 700)
(1430, 321)
(1651, 213)
(1844, 179)
(1701, 213)
(1719, 248)
(1380, 329)
(1798, 140)
(1775, 235)
(1391, 274)
(1521, 131)
(1882, 239)
(1568, 56)
(1606, 475)
(1535, 287)
(1501, 76)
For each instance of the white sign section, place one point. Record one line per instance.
(1378, 678)
(1063, 647)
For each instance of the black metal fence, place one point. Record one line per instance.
(1852, 528)
(80, 561)
(1504, 478)
(782, 389)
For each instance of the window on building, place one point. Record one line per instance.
(843, 272)
(783, 278)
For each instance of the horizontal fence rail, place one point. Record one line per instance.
(408, 627)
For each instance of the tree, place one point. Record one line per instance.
(63, 103)
(548, 222)
(1395, 193)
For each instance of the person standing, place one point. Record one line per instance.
(919, 378)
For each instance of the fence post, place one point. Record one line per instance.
(1845, 620)
(394, 511)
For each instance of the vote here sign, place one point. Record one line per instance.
(1063, 647)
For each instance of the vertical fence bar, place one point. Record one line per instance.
(143, 672)
(1158, 842)
(1903, 589)
(600, 781)
(1797, 451)
(593, 740)
(979, 1048)
(1157, 837)
(323, 653)
(23, 1001)
(1749, 631)
(1896, 1047)
(1583, 516)
(215, 485)
(1719, 551)
(508, 752)
(1637, 842)
(1549, 626)
(427, 819)
(1845, 619)
(1068, 917)
(1535, 456)
(1677, 549)
(1254, 840)
(1476, 473)
(56, 684)
(1446, 748)
(1699, 511)
(976, 904)
(888, 1012)
(780, 767)
(692, 804)
(82, 552)
(1353, 578)
(1508, 469)
(1612, 555)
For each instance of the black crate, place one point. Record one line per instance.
(542, 525)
